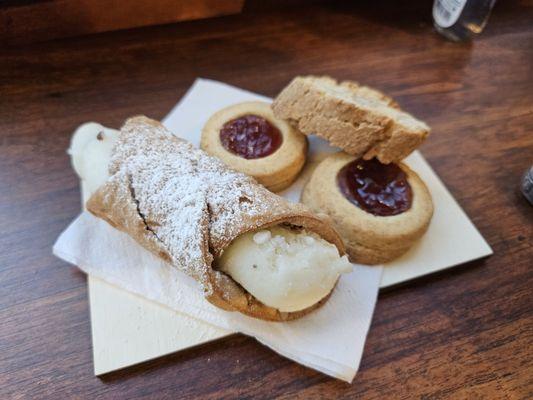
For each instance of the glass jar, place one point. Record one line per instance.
(461, 19)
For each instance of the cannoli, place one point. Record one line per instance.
(251, 250)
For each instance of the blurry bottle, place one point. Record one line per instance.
(527, 185)
(461, 19)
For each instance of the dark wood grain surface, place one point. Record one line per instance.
(30, 21)
(465, 333)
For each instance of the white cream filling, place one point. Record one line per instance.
(90, 152)
(284, 269)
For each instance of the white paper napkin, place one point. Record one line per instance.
(330, 339)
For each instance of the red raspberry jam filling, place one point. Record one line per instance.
(250, 136)
(380, 189)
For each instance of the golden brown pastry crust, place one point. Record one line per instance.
(361, 121)
(187, 207)
(369, 239)
(276, 171)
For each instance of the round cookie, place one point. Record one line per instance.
(248, 138)
(369, 238)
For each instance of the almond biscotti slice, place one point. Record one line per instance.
(360, 120)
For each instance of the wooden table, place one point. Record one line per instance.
(465, 333)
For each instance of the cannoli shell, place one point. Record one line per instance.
(187, 207)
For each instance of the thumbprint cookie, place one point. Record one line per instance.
(248, 138)
(380, 210)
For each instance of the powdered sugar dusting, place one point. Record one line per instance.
(184, 196)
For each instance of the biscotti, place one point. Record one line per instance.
(362, 121)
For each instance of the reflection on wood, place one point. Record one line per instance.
(43, 20)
